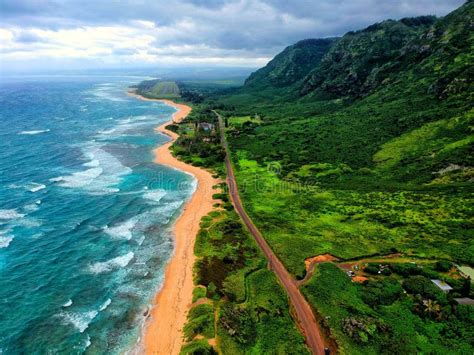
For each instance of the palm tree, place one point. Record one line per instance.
(432, 308)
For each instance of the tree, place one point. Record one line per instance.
(443, 265)
(432, 308)
(466, 287)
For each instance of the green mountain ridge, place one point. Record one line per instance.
(291, 65)
(360, 92)
(362, 60)
(361, 148)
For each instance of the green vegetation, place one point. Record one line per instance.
(370, 153)
(239, 302)
(355, 146)
(196, 91)
(291, 65)
(191, 91)
(199, 143)
(244, 304)
(200, 321)
(367, 102)
(377, 317)
(198, 347)
(157, 89)
(300, 221)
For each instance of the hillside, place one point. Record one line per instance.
(362, 60)
(291, 65)
(361, 148)
(158, 89)
(372, 86)
(368, 156)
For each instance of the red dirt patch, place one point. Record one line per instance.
(347, 266)
(359, 279)
(319, 259)
(311, 262)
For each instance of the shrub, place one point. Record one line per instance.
(405, 269)
(383, 292)
(372, 269)
(198, 347)
(420, 285)
(237, 323)
(359, 329)
(443, 265)
(199, 292)
(200, 321)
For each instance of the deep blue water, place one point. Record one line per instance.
(85, 214)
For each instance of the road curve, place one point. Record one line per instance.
(304, 313)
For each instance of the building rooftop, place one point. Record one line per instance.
(442, 285)
(465, 300)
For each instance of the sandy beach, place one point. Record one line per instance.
(163, 330)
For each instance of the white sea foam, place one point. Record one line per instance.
(5, 240)
(35, 187)
(32, 207)
(80, 178)
(68, 303)
(105, 305)
(106, 132)
(122, 231)
(141, 240)
(94, 163)
(88, 342)
(168, 209)
(105, 92)
(155, 195)
(10, 214)
(104, 172)
(33, 132)
(79, 320)
(14, 186)
(56, 179)
(112, 264)
(29, 222)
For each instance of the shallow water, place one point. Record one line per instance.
(85, 214)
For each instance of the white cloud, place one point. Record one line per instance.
(232, 32)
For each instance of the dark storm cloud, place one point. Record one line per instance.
(248, 29)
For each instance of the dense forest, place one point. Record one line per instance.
(360, 147)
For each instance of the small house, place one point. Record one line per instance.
(443, 286)
(205, 126)
(465, 301)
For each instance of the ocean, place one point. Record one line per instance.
(86, 217)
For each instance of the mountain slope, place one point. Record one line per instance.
(408, 73)
(361, 60)
(368, 157)
(291, 65)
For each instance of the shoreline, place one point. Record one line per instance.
(168, 314)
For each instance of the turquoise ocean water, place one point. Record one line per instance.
(85, 214)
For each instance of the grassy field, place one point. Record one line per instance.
(300, 221)
(158, 89)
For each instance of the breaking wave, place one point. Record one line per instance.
(112, 264)
(31, 133)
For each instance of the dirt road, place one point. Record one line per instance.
(306, 319)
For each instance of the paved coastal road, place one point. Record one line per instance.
(305, 315)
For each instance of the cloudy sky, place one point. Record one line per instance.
(71, 34)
